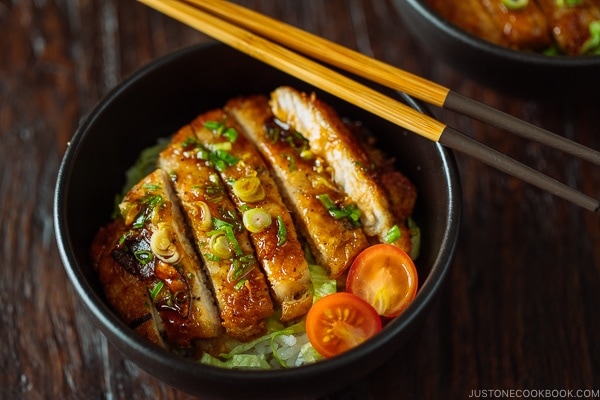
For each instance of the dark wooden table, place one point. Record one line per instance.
(521, 310)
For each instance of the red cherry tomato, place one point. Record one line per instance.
(340, 321)
(385, 277)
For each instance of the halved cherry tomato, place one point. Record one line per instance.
(340, 321)
(385, 276)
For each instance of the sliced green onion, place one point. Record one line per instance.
(249, 189)
(219, 129)
(297, 141)
(281, 231)
(515, 4)
(349, 211)
(190, 141)
(223, 146)
(214, 193)
(291, 160)
(227, 229)
(153, 200)
(219, 244)
(353, 214)
(151, 186)
(124, 237)
(256, 220)
(156, 290)
(273, 132)
(214, 126)
(567, 3)
(203, 154)
(392, 234)
(140, 219)
(230, 134)
(326, 201)
(240, 284)
(306, 154)
(222, 159)
(211, 257)
(240, 267)
(217, 156)
(201, 212)
(143, 256)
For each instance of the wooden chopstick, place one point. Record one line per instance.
(355, 93)
(387, 75)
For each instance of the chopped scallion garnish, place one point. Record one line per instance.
(219, 129)
(567, 3)
(156, 290)
(227, 229)
(349, 211)
(291, 160)
(515, 4)
(393, 234)
(256, 219)
(240, 284)
(281, 231)
(143, 256)
(230, 134)
(214, 126)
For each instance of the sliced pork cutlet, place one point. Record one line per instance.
(124, 287)
(256, 196)
(333, 236)
(156, 249)
(239, 285)
(570, 24)
(330, 139)
(400, 191)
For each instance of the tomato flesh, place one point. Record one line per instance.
(339, 322)
(385, 277)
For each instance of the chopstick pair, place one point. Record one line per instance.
(249, 32)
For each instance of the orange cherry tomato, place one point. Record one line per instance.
(385, 277)
(338, 322)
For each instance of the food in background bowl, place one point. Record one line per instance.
(570, 27)
(246, 217)
(159, 99)
(529, 74)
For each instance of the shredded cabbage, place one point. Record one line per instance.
(322, 285)
(285, 347)
(592, 45)
(415, 238)
(281, 346)
(144, 165)
(237, 361)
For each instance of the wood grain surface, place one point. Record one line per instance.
(520, 310)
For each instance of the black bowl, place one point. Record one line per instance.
(526, 74)
(153, 103)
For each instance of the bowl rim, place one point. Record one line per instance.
(460, 35)
(103, 315)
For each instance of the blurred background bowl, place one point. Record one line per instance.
(530, 75)
(153, 103)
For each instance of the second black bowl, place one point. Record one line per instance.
(526, 74)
